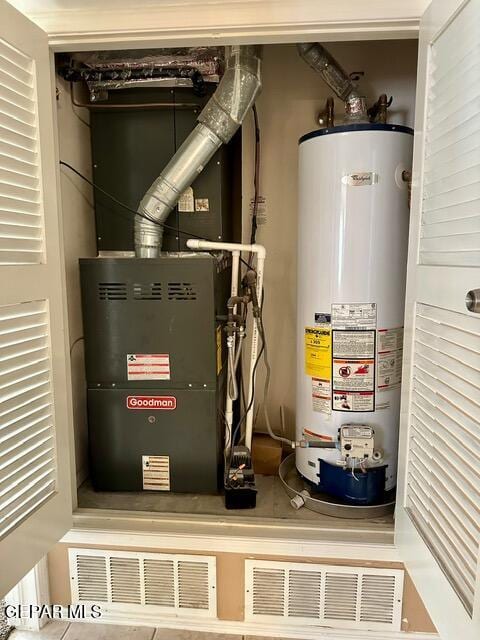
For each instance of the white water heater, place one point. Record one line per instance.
(352, 256)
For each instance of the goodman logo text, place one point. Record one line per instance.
(164, 403)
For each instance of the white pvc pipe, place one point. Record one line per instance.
(207, 245)
(261, 253)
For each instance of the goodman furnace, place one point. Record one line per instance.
(154, 363)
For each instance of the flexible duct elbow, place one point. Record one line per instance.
(217, 123)
(320, 60)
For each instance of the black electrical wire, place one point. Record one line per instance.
(75, 342)
(244, 416)
(250, 404)
(121, 204)
(256, 177)
(246, 264)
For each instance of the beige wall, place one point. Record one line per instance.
(292, 96)
(79, 238)
(231, 585)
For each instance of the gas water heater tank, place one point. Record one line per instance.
(353, 235)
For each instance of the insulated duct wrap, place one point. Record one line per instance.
(217, 123)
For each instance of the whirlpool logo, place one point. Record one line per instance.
(162, 403)
(360, 179)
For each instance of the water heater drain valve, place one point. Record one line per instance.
(356, 441)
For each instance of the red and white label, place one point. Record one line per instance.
(321, 395)
(155, 403)
(148, 366)
(390, 353)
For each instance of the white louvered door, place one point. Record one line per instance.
(35, 493)
(438, 505)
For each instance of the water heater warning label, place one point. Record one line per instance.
(321, 395)
(354, 316)
(353, 369)
(353, 375)
(390, 352)
(148, 366)
(354, 344)
(353, 401)
(318, 352)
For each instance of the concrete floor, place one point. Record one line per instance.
(272, 502)
(60, 630)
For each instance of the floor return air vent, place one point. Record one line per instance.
(157, 582)
(296, 594)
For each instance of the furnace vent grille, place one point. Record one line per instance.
(181, 291)
(161, 582)
(335, 596)
(112, 291)
(148, 291)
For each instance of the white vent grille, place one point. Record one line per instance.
(341, 590)
(345, 597)
(443, 482)
(161, 582)
(92, 583)
(450, 230)
(21, 215)
(27, 448)
(125, 580)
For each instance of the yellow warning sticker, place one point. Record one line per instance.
(318, 352)
(219, 350)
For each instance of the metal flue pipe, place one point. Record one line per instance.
(217, 123)
(320, 60)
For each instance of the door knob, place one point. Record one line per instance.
(472, 300)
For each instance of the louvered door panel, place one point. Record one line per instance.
(437, 521)
(35, 402)
(443, 486)
(21, 214)
(293, 594)
(156, 582)
(450, 227)
(27, 446)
